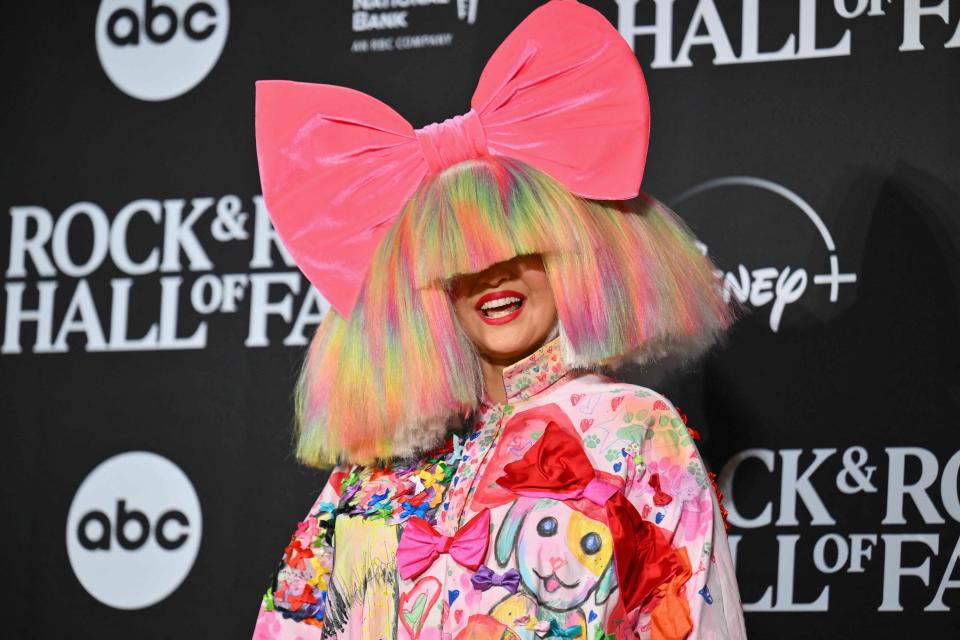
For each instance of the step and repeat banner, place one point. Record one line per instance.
(152, 325)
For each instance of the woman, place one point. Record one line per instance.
(489, 481)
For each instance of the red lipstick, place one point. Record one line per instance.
(500, 307)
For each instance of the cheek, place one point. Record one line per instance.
(459, 294)
(460, 309)
(467, 318)
(543, 302)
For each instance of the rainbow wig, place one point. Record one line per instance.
(629, 283)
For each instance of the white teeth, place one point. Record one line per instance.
(499, 314)
(499, 302)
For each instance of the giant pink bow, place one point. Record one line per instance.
(563, 93)
(421, 544)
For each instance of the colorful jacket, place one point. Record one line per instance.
(544, 566)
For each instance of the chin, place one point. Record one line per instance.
(509, 348)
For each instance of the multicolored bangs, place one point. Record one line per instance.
(390, 380)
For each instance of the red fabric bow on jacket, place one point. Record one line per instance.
(557, 467)
(421, 544)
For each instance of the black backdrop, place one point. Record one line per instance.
(824, 183)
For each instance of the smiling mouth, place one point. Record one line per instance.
(551, 583)
(500, 307)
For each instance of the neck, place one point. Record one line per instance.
(493, 380)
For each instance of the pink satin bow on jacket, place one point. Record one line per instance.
(563, 93)
(421, 544)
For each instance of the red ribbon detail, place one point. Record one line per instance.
(296, 553)
(716, 490)
(305, 597)
(659, 497)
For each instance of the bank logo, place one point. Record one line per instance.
(772, 247)
(133, 530)
(160, 49)
(467, 10)
(389, 22)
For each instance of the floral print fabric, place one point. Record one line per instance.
(548, 570)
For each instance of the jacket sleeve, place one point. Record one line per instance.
(671, 487)
(293, 606)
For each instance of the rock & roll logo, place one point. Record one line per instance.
(922, 27)
(903, 535)
(762, 236)
(160, 49)
(133, 530)
(165, 279)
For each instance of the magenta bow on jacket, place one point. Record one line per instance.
(421, 544)
(563, 93)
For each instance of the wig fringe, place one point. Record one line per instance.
(630, 285)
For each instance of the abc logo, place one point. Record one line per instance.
(124, 517)
(133, 530)
(160, 49)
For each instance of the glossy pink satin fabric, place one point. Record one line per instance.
(563, 93)
(421, 544)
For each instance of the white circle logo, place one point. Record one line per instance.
(160, 49)
(133, 530)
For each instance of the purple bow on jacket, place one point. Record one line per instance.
(485, 577)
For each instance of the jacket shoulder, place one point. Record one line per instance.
(594, 393)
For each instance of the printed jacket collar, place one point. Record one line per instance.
(535, 373)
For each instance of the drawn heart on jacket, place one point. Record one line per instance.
(585, 424)
(416, 604)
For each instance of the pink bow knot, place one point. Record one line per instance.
(599, 491)
(454, 140)
(444, 544)
(420, 545)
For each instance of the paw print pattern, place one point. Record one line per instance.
(591, 442)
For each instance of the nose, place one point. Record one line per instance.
(556, 563)
(495, 275)
(492, 282)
